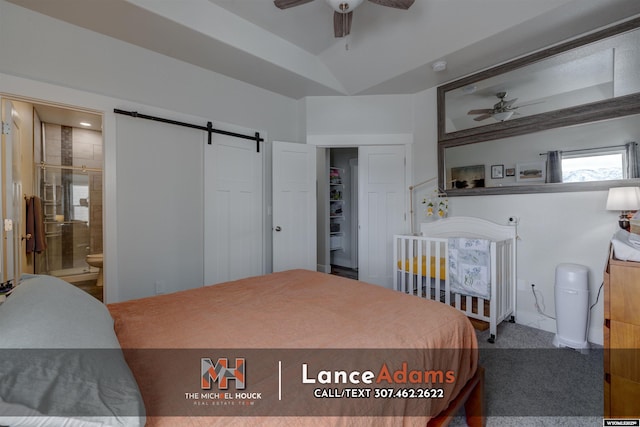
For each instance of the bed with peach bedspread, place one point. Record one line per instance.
(279, 322)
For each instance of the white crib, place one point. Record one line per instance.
(421, 265)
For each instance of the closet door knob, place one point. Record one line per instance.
(278, 228)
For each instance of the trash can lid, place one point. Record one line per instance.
(574, 276)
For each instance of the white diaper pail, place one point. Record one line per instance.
(572, 306)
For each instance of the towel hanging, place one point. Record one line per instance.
(35, 226)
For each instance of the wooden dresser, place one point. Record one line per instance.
(621, 338)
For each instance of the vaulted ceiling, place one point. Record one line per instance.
(293, 52)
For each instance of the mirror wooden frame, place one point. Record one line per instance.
(581, 114)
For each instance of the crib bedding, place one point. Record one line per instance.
(294, 315)
(470, 266)
(419, 265)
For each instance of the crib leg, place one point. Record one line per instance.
(492, 339)
(512, 319)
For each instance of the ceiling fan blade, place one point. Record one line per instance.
(482, 117)
(342, 24)
(482, 111)
(396, 4)
(509, 103)
(285, 4)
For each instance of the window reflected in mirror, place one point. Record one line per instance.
(588, 167)
(593, 152)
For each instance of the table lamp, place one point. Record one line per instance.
(625, 200)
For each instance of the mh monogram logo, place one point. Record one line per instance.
(221, 372)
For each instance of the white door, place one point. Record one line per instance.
(382, 210)
(233, 244)
(12, 194)
(294, 206)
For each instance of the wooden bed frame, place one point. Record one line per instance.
(472, 398)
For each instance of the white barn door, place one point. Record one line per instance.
(382, 210)
(233, 204)
(294, 206)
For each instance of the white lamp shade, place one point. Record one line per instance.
(623, 199)
(337, 5)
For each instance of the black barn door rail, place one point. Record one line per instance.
(208, 128)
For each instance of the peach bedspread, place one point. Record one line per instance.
(295, 310)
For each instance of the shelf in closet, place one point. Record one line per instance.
(336, 238)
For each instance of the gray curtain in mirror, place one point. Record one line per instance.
(632, 159)
(554, 166)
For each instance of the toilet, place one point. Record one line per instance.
(95, 260)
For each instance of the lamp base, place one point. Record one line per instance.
(624, 223)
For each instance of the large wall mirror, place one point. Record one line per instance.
(563, 119)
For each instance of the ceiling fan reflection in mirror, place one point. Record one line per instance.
(501, 111)
(343, 10)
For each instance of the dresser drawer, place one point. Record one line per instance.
(625, 395)
(624, 350)
(624, 292)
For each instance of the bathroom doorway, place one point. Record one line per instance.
(68, 180)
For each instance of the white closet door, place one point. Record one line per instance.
(233, 244)
(382, 210)
(294, 206)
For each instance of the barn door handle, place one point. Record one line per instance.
(278, 228)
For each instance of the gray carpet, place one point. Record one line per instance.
(529, 382)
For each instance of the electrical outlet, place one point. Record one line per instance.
(513, 220)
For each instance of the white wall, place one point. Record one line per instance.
(375, 114)
(359, 120)
(46, 59)
(554, 228)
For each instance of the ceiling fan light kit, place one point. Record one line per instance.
(505, 115)
(343, 10)
(344, 6)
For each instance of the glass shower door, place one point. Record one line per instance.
(72, 221)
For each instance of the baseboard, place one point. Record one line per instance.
(323, 268)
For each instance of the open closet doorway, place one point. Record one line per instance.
(362, 203)
(343, 211)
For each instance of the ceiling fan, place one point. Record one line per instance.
(343, 10)
(501, 111)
